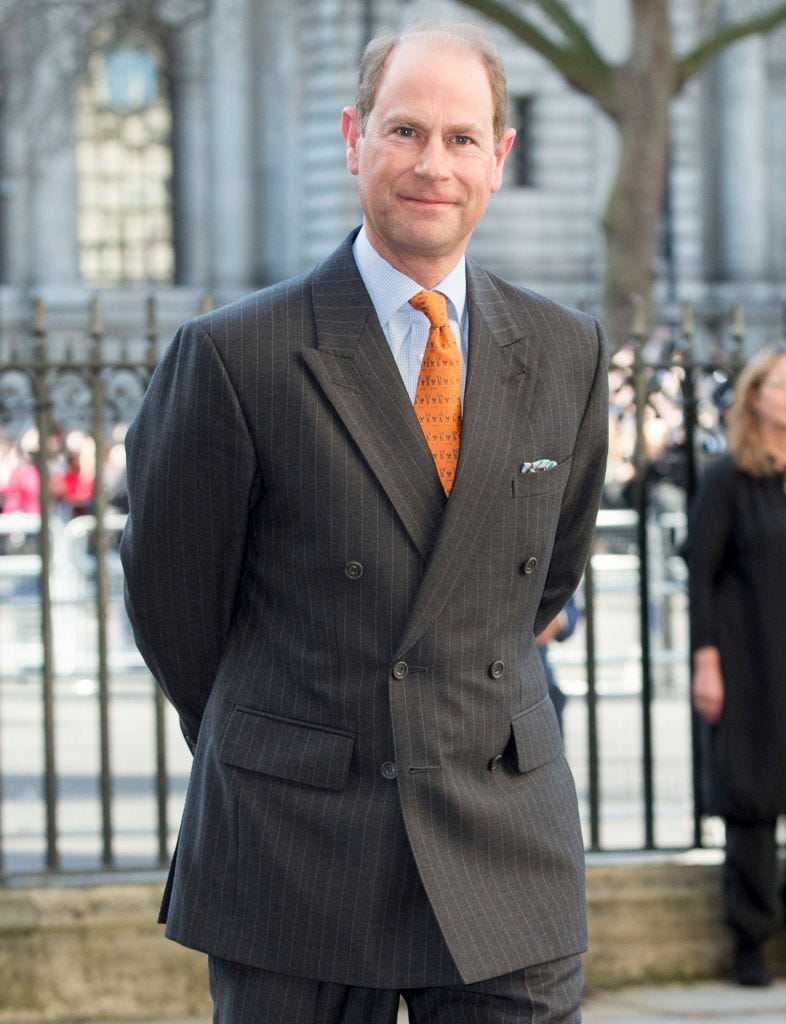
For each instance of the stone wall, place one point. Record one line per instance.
(658, 919)
(94, 952)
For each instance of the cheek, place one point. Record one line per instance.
(373, 166)
(770, 408)
(482, 175)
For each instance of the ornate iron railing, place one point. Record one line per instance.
(92, 767)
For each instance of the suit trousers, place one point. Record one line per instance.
(547, 993)
(754, 905)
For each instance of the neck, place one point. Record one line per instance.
(427, 271)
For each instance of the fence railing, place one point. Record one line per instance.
(92, 766)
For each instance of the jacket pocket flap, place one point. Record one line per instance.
(287, 748)
(536, 736)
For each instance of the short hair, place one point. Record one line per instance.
(463, 37)
(745, 443)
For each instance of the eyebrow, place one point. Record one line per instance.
(401, 118)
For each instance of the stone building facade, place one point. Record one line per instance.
(235, 162)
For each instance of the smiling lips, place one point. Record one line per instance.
(427, 200)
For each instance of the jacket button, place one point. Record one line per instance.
(400, 669)
(529, 566)
(496, 668)
(353, 570)
(494, 763)
(389, 770)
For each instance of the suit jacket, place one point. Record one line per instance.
(379, 795)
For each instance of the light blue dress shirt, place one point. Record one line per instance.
(406, 328)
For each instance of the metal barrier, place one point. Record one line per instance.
(92, 766)
(93, 393)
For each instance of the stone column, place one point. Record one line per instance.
(14, 186)
(192, 162)
(742, 100)
(54, 247)
(230, 148)
(280, 81)
(49, 118)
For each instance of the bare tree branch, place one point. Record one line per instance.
(577, 60)
(564, 19)
(636, 94)
(694, 62)
(173, 12)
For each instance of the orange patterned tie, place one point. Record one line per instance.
(438, 394)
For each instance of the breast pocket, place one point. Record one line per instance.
(529, 485)
(287, 748)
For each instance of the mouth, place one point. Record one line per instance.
(427, 202)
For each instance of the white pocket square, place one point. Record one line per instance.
(538, 466)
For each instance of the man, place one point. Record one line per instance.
(344, 616)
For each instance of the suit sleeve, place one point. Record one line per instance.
(582, 494)
(192, 474)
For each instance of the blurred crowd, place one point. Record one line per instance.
(71, 461)
(663, 423)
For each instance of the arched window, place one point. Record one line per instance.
(125, 167)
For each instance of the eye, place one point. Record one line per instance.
(405, 132)
(462, 140)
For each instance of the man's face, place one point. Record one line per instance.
(426, 162)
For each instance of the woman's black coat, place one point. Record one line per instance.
(737, 557)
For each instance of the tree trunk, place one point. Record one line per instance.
(632, 218)
(637, 96)
(640, 106)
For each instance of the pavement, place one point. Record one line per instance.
(706, 1001)
(653, 1004)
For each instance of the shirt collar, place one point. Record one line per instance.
(389, 289)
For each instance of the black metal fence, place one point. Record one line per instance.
(63, 413)
(92, 766)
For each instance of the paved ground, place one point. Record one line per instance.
(669, 1004)
(662, 1004)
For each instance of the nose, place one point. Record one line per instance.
(432, 159)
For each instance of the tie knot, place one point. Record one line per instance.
(434, 305)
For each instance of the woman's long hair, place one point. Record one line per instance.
(745, 441)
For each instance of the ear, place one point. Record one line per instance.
(500, 154)
(351, 131)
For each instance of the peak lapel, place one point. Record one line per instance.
(356, 371)
(500, 377)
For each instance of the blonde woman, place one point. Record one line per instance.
(737, 559)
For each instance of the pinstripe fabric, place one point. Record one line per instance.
(247, 995)
(541, 994)
(318, 614)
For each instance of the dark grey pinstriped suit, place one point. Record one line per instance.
(318, 613)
